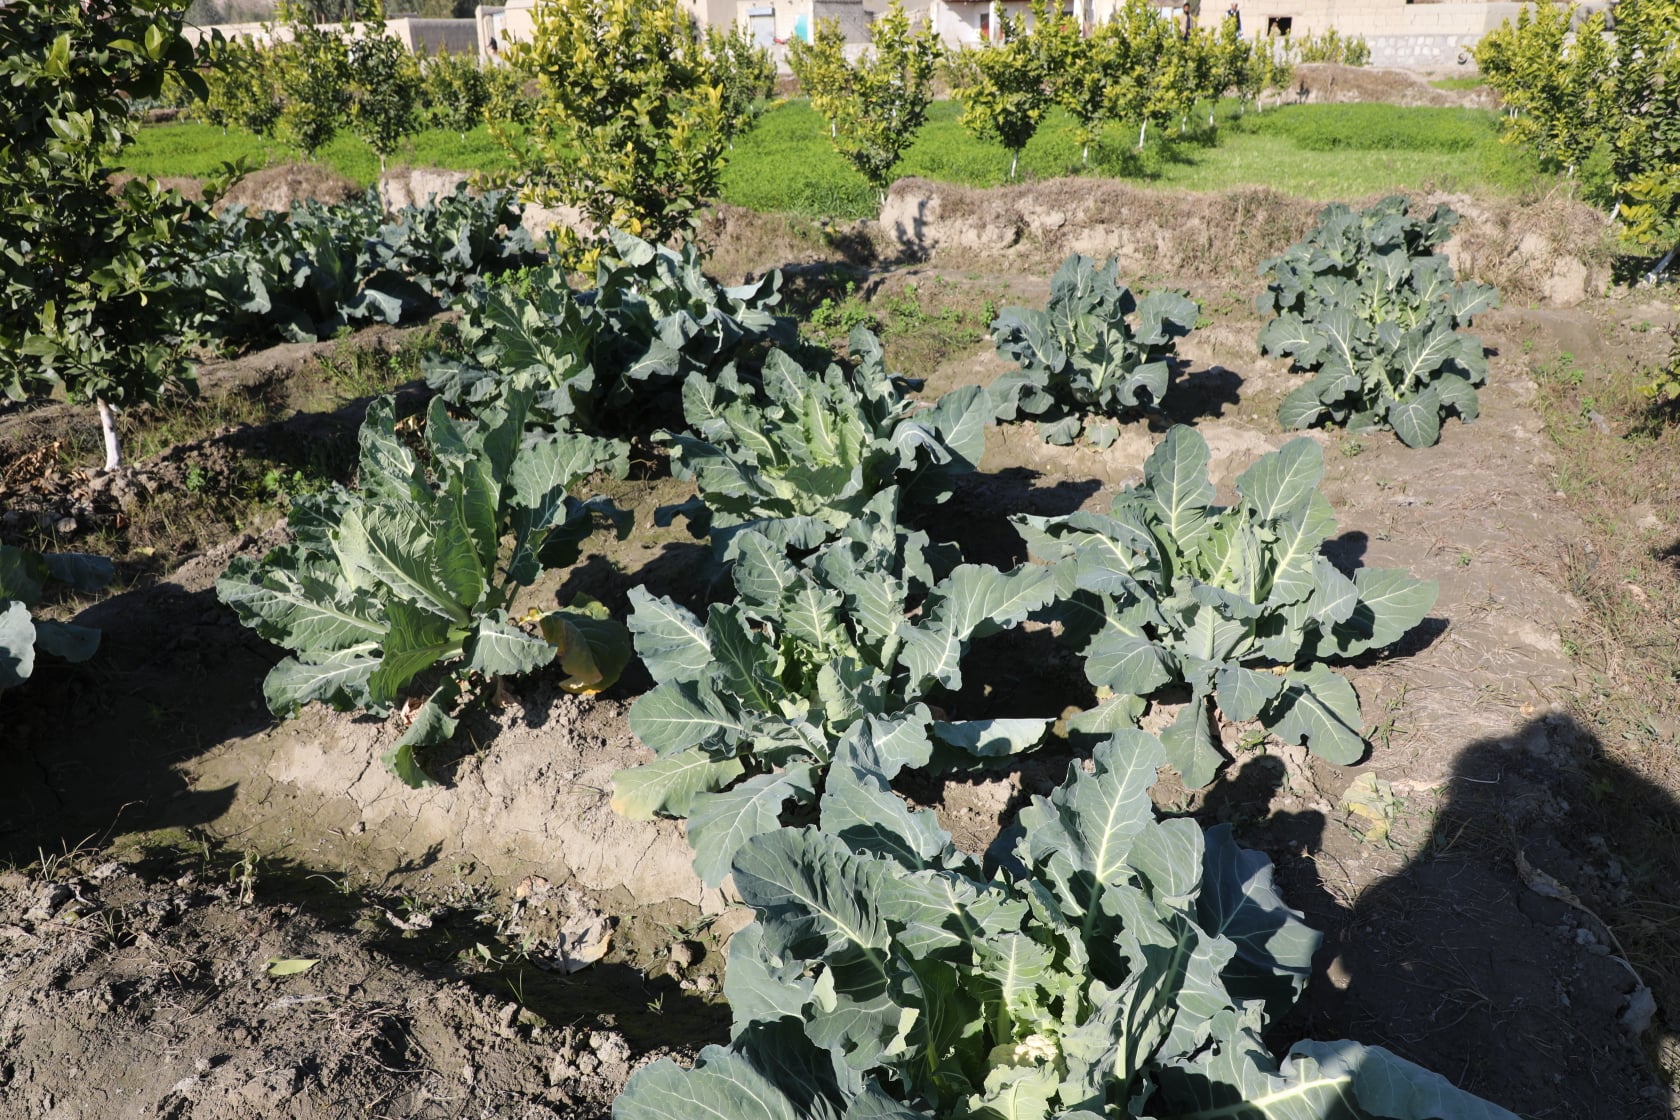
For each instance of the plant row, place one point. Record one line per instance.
(1096, 958)
(1366, 304)
(304, 275)
(307, 82)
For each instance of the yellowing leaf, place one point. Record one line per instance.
(592, 651)
(290, 966)
(1373, 799)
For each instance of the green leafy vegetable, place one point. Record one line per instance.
(304, 274)
(750, 701)
(1095, 350)
(1367, 306)
(24, 575)
(1125, 966)
(1239, 603)
(381, 584)
(653, 319)
(800, 453)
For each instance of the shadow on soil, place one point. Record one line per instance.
(1201, 394)
(977, 516)
(1508, 954)
(463, 942)
(90, 751)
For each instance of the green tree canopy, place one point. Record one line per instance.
(876, 105)
(630, 128)
(86, 304)
(1006, 89)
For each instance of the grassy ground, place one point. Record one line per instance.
(193, 149)
(1618, 455)
(787, 164)
(1459, 83)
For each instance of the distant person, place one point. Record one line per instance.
(1234, 16)
(1189, 21)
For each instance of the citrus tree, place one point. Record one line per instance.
(313, 74)
(1644, 127)
(1080, 71)
(1571, 94)
(385, 91)
(630, 126)
(1143, 88)
(86, 305)
(1555, 82)
(1191, 73)
(823, 72)
(876, 105)
(243, 89)
(1006, 89)
(455, 92)
(744, 71)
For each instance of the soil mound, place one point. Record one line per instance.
(537, 802)
(1332, 82)
(277, 187)
(1553, 250)
(416, 186)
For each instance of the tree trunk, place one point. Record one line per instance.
(1141, 129)
(1085, 155)
(1014, 159)
(1652, 276)
(108, 424)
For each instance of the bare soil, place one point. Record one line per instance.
(1333, 82)
(1476, 876)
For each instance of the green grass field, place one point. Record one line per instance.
(194, 150)
(786, 163)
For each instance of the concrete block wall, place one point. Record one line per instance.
(1422, 51)
(435, 36)
(1388, 19)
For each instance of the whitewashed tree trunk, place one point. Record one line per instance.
(1655, 274)
(108, 424)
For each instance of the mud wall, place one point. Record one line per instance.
(1551, 251)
